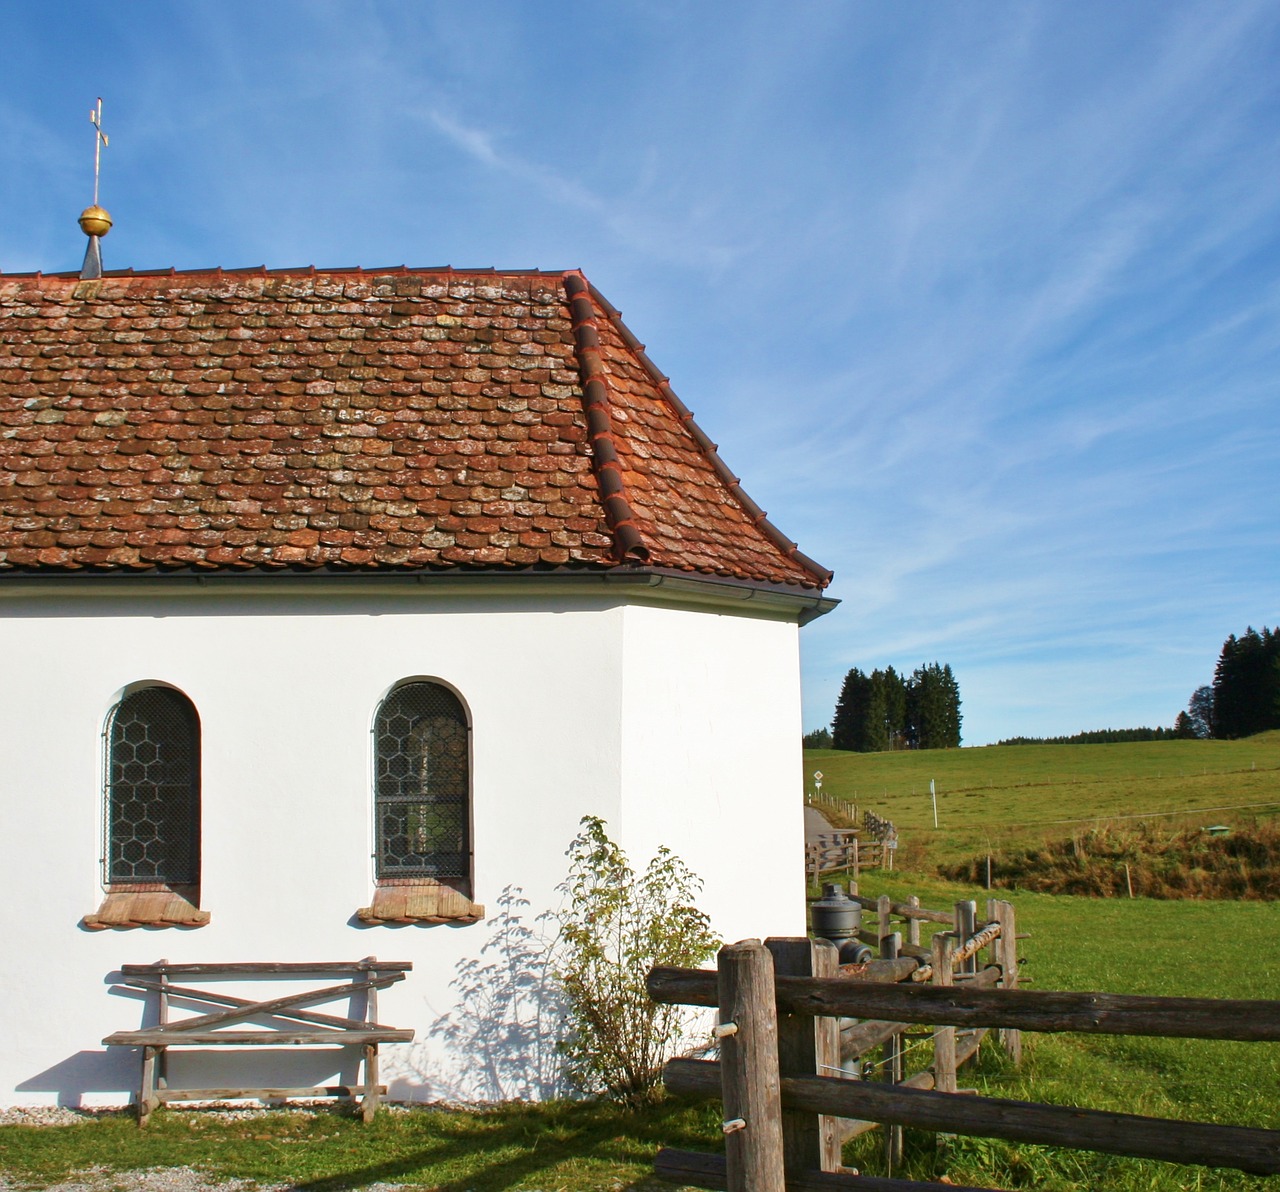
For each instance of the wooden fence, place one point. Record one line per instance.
(884, 833)
(850, 850)
(785, 1091)
(839, 851)
(950, 957)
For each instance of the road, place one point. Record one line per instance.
(815, 824)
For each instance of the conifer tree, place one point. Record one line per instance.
(847, 727)
(882, 711)
(1246, 684)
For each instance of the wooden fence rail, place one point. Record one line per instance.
(762, 1003)
(850, 850)
(844, 850)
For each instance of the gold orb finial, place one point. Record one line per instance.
(94, 221)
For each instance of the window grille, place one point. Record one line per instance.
(153, 789)
(423, 788)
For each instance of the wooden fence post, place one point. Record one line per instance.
(890, 947)
(884, 908)
(1007, 958)
(944, 1037)
(966, 925)
(993, 916)
(750, 1084)
(807, 1046)
(913, 925)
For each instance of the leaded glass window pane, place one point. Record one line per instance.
(153, 789)
(423, 786)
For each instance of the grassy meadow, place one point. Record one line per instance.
(1003, 796)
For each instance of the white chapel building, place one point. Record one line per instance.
(330, 602)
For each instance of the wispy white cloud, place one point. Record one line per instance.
(637, 231)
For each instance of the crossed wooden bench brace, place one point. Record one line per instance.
(287, 1023)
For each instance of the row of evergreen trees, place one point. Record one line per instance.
(1245, 696)
(885, 710)
(1101, 736)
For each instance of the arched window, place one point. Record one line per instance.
(153, 790)
(422, 795)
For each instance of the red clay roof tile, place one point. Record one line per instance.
(389, 420)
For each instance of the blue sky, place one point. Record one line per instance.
(981, 301)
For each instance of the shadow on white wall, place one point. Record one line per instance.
(501, 1039)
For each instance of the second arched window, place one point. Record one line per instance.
(423, 786)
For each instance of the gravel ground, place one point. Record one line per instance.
(156, 1179)
(161, 1179)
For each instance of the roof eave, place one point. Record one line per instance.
(754, 597)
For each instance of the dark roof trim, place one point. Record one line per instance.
(627, 543)
(805, 605)
(753, 511)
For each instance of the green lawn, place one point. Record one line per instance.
(572, 1146)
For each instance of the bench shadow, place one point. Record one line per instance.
(83, 1073)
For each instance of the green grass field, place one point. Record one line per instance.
(999, 797)
(1003, 795)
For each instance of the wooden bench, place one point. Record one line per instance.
(287, 1023)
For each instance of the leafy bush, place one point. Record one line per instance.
(614, 926)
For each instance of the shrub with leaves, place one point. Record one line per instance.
(614, 926)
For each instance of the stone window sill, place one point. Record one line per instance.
(420, 900)
(149, 905)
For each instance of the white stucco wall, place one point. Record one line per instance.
(712, 760)
(678, 726)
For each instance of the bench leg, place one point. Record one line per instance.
(147, 1099)
(369, 1104)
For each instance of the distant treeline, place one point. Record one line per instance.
(1102, 736)
(885, 710)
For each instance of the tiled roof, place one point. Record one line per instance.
(391, 420)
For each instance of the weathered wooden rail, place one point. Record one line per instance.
(877, 825)
(908, 961)
(849, 850)
(841, 850)
(281, 1020)
(783, 1104)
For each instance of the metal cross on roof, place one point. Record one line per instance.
(99, 140)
